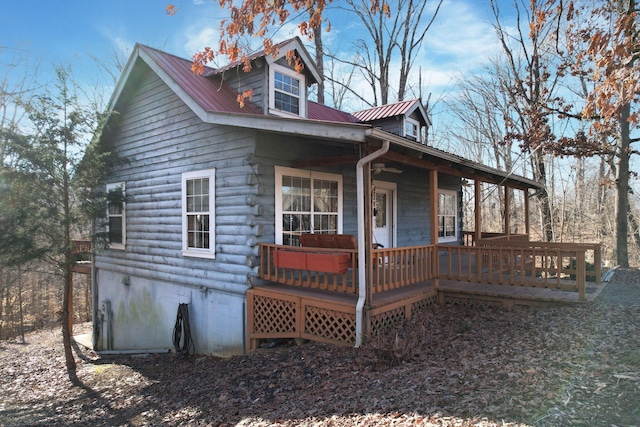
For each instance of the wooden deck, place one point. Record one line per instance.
(320, 305)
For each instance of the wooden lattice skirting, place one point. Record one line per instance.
(275, 313)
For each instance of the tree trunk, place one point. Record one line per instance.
(317, 37)
(20, 305)
(635, 228)
(622, 188)
(67, 302)
(540, 174)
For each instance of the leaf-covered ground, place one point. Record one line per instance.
(450, 366)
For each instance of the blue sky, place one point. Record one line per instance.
(71, 31)
(74, 32)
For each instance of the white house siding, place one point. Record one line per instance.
(161, 138)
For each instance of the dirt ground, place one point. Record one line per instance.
(453, 365)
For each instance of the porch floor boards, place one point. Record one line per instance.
(454, 288)
(510, 294)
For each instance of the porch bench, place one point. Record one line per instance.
(324, 260)
(329, 241)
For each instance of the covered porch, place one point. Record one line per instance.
(343, 293)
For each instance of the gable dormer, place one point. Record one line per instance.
(277, 88)
(404, 118)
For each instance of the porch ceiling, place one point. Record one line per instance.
(463, 168)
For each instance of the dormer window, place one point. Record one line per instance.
(412, 129)
(287, 92)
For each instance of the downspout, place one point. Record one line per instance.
(362, 286)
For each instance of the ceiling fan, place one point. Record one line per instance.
(376, 168)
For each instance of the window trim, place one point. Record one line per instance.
(281, 171)
(198, 252)
(416, 124)
(273, 68)
(123, 215)
(453, 238)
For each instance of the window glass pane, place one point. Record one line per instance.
(115, 208)
(308, 205)
(381, 210)
(198, 231)
(325, 224)
(450, 226)
(115, 229)
(287, 93)
(447, 215)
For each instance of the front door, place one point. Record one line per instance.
(383, 215)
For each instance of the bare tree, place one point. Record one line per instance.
(528, 58)
(402, 28)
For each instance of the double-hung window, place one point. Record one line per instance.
(447, 216)
(198, 210)
(116, 215)
(306, 202)
(287, 94)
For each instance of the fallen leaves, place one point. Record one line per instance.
(466, 366)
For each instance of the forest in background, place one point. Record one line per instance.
(528, 113)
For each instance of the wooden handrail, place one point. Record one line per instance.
(535, 264)
(395, 268)
(521, 263)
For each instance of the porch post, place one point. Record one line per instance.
(368, 226)
(527, 223)
(433, 183)
(507, 211)
(478, 212)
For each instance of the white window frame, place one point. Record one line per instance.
(123, 215)
(312, 175)
(199, 252)
(276, 68)
(453, 238)
(417, 127)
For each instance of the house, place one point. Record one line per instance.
(219, 195)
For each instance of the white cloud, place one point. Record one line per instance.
(195, 41)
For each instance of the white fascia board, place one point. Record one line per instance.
(176, 88)
(124, 77)
(296, 44)
(349, 132)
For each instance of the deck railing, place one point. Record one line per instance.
(392, 268)
(396, 268)
(469, 237)
(520, 263)
(536, 264)
(81, 247)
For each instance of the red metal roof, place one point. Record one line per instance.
(211, 93)
(322, 112)
(385, 111)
